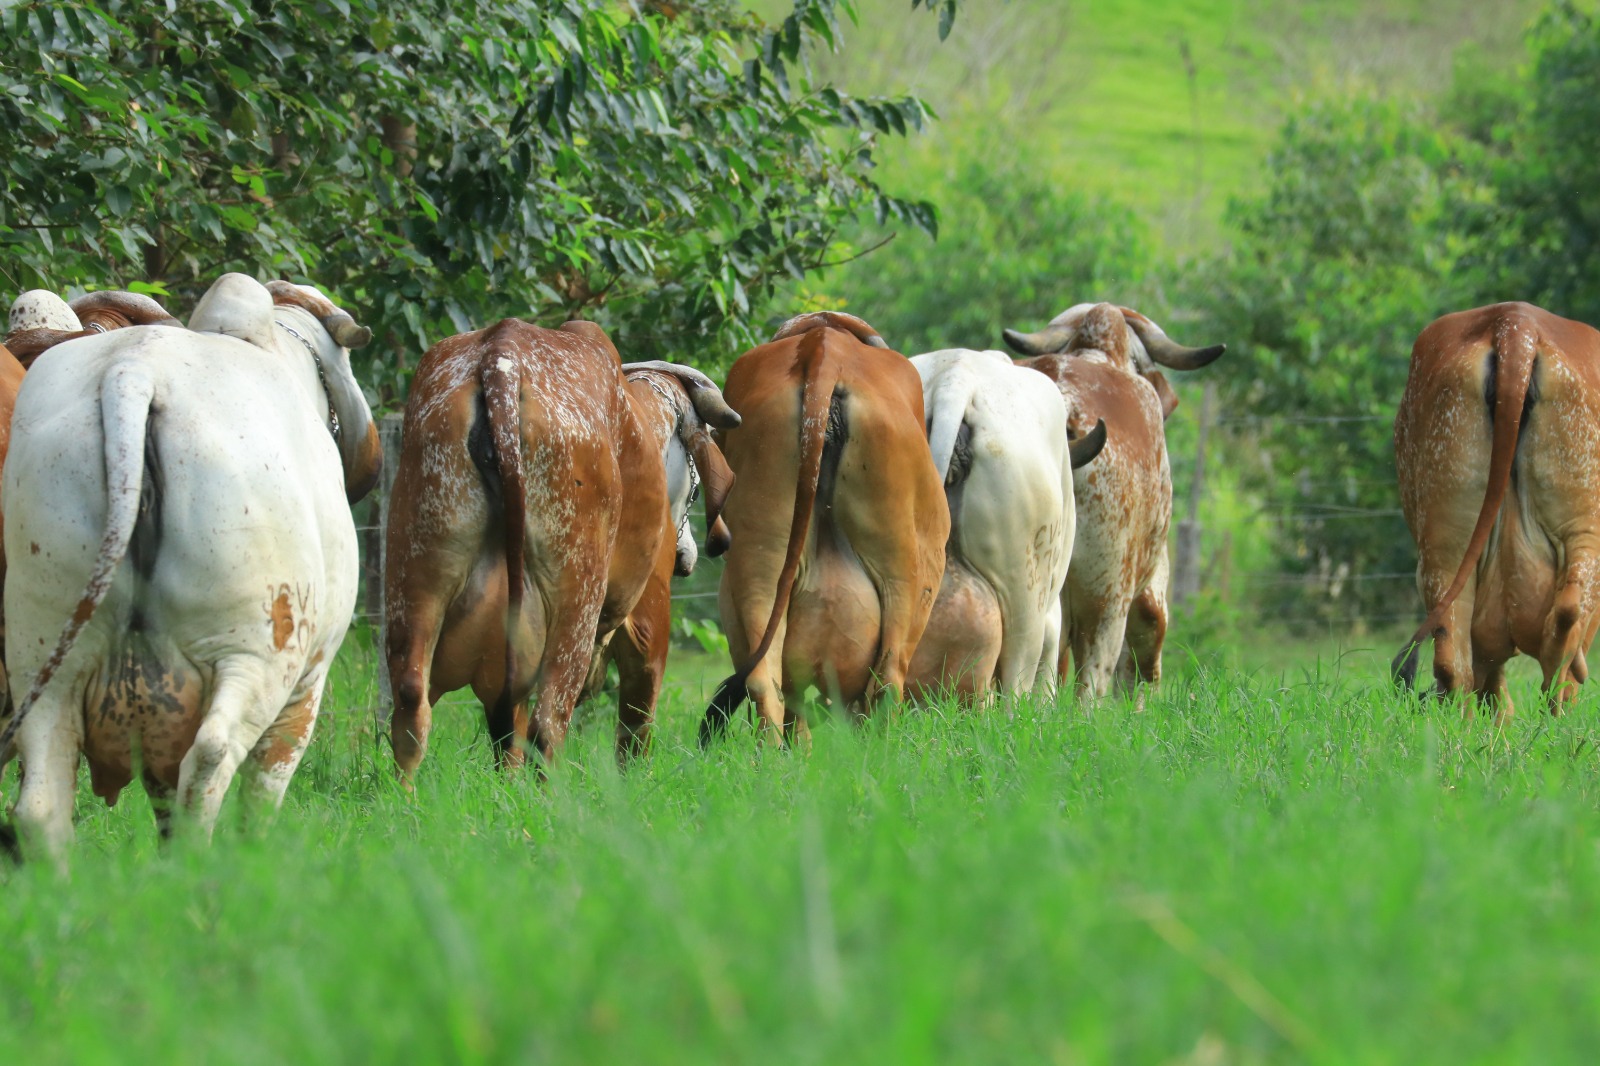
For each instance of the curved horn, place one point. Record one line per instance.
(29, 344)
(346, 332)
(137, 308)
(703, 392)
(340, 326)
(1083, 450)
(1168, 352)
(1047, 341)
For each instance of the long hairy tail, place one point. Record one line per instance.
(1515, 351)
(501, 386)
(126, 393)
(819, 375)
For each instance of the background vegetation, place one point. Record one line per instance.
(1281, 860)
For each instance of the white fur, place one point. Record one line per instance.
(252, 501)
(1016, 524)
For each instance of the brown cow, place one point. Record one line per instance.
(1497, 447)
(529, 517)
(839, 522)
(1114, 605)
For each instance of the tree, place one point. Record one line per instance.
(1025, 248)
(662, 167)
(1538, 237)
(1353, 247)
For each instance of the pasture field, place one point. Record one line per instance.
(1285, 864)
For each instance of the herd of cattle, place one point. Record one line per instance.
(180, 561)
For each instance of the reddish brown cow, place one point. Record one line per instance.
(529, 518)
(839, 522)
(1114, 605)
(1497, 447)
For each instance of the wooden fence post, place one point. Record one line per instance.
(1186, 567)
(389, 437)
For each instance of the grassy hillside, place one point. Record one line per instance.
(1099, 93)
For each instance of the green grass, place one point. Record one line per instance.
(1274, 866)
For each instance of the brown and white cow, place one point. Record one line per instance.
(530, 517)
(1103, 359)
(40, 320)
(1497, 447)
(190, 565)
(839, 522)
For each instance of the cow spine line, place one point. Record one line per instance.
(819, 377)
(126, 396)
(501, 400)
(1513, 357)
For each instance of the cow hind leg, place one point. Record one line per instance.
(1146, 632)
(1566, 627)
(639, 673)
(411, 718)
(1096, 648)
(764, 687)
(277, 754)
(568, 654)
(49, 750)
(239, 713)
(1452, 646)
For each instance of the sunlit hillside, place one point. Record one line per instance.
(1168, 105)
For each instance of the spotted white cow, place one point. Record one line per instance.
(1104, 359)
(1000, 442)
(182, 555)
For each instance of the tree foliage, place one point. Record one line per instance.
(1021, 247)
(1349, 251)
(661, 167)
(1538, 238)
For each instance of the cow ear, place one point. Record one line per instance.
(1169, 399)
(716, 479)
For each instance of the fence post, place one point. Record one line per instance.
(1186, 568)
(389, 438)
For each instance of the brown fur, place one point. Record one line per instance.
(831, 591)
(522, 604)
(1505, 511)
(1114, 603)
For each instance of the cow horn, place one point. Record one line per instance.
(1164, 350)
(1047, 341)
(26, 345)
(345, 332)
(340, 326)
(137, 308)
(703, 392)
(1083, 450)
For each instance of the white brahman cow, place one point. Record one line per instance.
(1000, 442)
(182, 555)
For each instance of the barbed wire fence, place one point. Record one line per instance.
(1197, 567)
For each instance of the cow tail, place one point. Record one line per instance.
(126, 394)
(819, 376)
(1515, 352)
(501, 401)
(944, 423)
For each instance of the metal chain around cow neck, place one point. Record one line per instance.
(322, 375)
